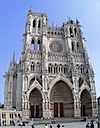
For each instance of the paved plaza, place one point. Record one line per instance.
(62, 125)
(68, 125)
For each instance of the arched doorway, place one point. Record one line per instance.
(61, 100)
(86, 104)
(35, 99)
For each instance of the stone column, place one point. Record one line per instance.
(99, 112)
(19, 92)
(45, 106)
(76, 107)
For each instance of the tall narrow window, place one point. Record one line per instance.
(38, 45)
(75, 32)
(71, 32)
(81, 69)
(65, 68)
(34, 23)
(61, 68)
(37, 67)
(32, 45)
(39, 24)
(55, 68)
(50, 68)
(80, 82)
(73, 46)
(32, 67)
(77, 46)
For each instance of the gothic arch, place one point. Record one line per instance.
(81, 81)
(50, 68)
(33, 44)
(39, 23)
(37, 85)
(34, 23)
(71, 31)
(32, 67)
(73, 46)
(84, 87)
(78, 46)
(58, 78)
(35, 102)
(61, 99)
(75, 32)
(38, 44)
(86, 102)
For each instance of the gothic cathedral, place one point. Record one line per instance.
(54, 77)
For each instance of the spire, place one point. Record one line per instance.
(12, 62)
(70, 21)
(77, 22)
(30, 11)
(13, 58)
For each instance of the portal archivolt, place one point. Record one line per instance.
(35, 99)
(61, 100)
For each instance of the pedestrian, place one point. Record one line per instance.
(45, 126)
(32, 125)
(87, 125)
(58, 125)
(92, 124)
(50, 126)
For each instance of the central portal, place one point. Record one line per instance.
(35, 103)
(61, 100)
(59, 109)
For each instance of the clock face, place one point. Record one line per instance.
(56, 46)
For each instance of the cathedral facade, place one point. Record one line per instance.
(54, 77)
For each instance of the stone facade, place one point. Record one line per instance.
(54, 77)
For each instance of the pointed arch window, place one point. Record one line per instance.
(32, 67)
(32, 45)
(50, 68)
(80, 82)
(81, 69)
(75, 32)
(34, 23)
(39, 24)
(71, 32)
(77, 46)
(65, 68)
(38, 45)
(55, 68)
(60, 68)
(37, 67)
(73, 44)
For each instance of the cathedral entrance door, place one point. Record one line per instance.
(86, 106)
(83, 110)
(32, 111)
(61, 99)
(35, 103)
(37, 110)
(55, 109)
(61, 109)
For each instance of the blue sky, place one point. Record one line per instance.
(13, 15)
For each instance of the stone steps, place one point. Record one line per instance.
(53, 121)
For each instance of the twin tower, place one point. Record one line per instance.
(54, 77)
